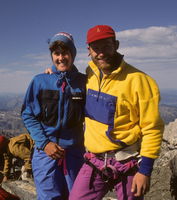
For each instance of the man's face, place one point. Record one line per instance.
(102, 53)
(62, 59)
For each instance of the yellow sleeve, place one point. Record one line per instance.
(151, 125)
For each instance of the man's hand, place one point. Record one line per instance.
(53, 150)
(48, 71)
(140, 185)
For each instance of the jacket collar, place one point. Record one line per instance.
(67, 76)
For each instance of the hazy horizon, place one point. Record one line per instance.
(147, 33)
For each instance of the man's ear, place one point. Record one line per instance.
(117, 44)
(88, 47)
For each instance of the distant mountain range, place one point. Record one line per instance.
(168, 105)
(11, 102)
(169, 97)
(10, 107)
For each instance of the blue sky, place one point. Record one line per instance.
(146, 29)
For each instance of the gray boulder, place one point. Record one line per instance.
(164, 176)
(24, 189)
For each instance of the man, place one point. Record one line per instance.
(53, 114)
(20, 146)
(122, 123)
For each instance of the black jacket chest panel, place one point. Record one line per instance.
(49, 100)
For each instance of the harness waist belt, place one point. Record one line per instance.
(122, 154)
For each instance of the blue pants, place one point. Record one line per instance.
(54, 181)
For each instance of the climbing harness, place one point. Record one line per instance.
(110, 173)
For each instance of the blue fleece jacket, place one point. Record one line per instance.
(53, 108)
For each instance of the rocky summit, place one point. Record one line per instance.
(164, 176)
(163, 180)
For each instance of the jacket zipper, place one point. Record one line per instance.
(99, 84)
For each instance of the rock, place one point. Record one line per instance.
(24, 189)
(164, 175)
(163, 179)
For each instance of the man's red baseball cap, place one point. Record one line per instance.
(99, 32)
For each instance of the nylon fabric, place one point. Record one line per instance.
(50, 177)
(82, 191)
(50, 113)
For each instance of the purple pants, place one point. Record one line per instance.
(82, 191)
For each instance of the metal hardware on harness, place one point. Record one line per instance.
(109, 181)
(108, 172)
(105, 160)
(97, 170)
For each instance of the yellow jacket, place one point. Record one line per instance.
(122, 108)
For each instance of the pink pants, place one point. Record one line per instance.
(82, 191)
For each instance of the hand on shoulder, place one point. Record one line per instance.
(48, 71)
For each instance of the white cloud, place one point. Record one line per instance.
(14, 82)
(150, 35)
(151, 49)
(30, 62)
(152, 42)
(16, 76)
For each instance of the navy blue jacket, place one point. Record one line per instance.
(53, 108)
